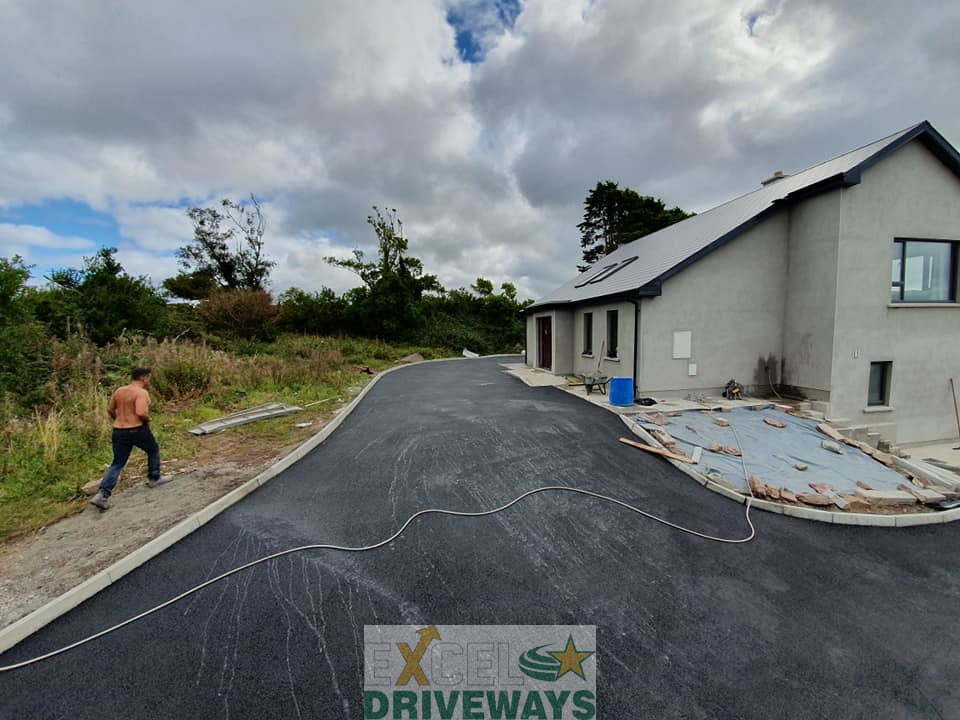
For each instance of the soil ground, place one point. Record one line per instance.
(37, 567)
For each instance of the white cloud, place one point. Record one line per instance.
(327, 108)
(154, 227)
(14, 236)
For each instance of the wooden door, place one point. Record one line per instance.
(544, 343)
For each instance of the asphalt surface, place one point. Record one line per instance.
(808, 621)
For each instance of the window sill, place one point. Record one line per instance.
(923, 305)
(878, 408)
(611, 359)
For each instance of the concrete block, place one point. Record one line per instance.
(932, 518)
(886, 497)
(873, 439)
(924, 495)
(687, 470)
(808, 513)
(928, 472)
(863, 519)
(831, 446)
(948, 516)
(803, 406)
(857, 432)
(726, 492)
(768, 506)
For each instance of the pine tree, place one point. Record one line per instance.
(613, 216)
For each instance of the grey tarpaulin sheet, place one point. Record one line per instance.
(771, 452)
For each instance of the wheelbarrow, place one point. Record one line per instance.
(595, 382)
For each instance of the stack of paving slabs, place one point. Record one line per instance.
(784, 457)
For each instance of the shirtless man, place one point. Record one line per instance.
(130, 409)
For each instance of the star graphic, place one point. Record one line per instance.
(570, 659)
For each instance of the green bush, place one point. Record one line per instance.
(319, 313)
(183, 378)
(24, 362)
(24, 343)
(247, 314)
(101, 299)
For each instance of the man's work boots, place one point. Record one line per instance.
(101, 501)
(157, 482)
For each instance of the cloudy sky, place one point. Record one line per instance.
(484, 122)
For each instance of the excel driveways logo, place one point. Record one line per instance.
(553, 665)
(475, 672)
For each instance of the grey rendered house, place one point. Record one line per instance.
(839, 282)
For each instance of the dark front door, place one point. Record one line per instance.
(544, 344)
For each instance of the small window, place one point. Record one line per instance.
(879, 390)
(588, 333)
(613, 328)
(924, 271)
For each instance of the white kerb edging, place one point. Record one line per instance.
(45, 614)
(836, 518)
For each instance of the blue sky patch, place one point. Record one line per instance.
(474, 22)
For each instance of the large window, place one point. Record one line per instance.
(924, 271)
(878, 392)
(588, 333)
(613, 326)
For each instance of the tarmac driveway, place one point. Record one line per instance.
(807, 621)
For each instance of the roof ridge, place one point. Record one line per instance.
(898, 133)
(676, 246)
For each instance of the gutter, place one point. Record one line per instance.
(636, 343)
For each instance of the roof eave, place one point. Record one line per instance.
(632, 294)
(924, 132)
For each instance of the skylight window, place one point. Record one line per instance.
(610, 270)
(591, 278)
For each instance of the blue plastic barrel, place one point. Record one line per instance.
(621, 391)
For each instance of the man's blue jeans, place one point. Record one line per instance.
(125, 440)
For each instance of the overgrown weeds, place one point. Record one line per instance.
(49, 452)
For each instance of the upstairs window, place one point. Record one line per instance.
(613, 327)
(588, 333)
(924, 271)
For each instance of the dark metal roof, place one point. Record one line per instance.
(668, 251)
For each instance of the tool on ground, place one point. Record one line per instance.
(595, 382)
(733, 390)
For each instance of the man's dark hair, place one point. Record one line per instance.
(140, 373)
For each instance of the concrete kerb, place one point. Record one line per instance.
(29, 624)
(805, 513)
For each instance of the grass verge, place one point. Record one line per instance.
(49, 455)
